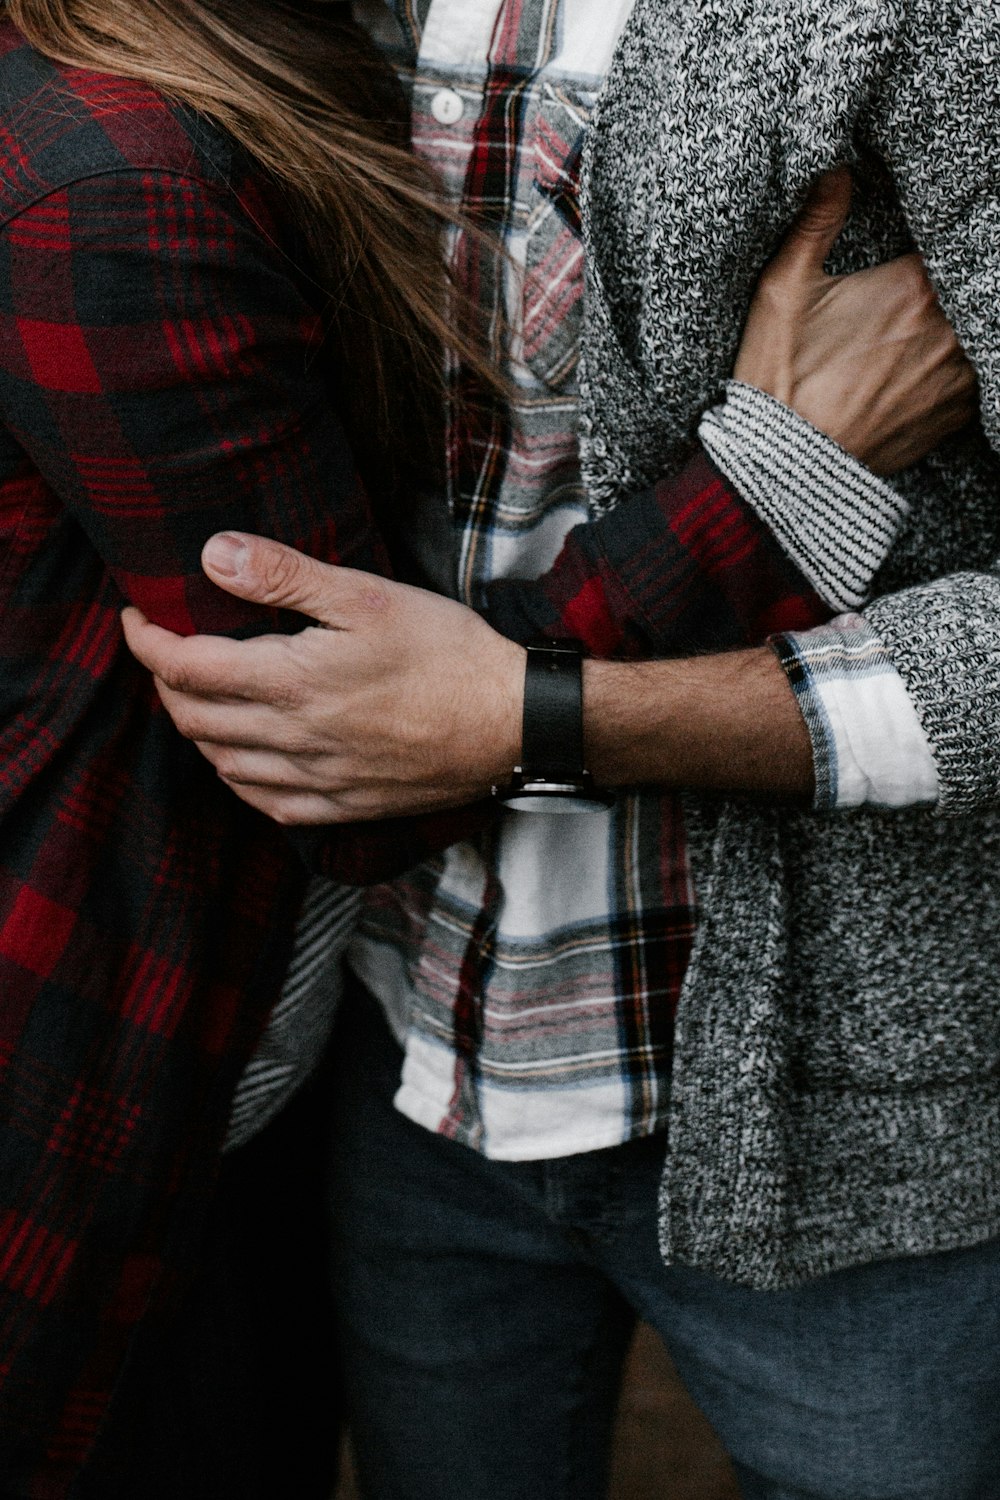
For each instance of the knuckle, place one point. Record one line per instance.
(299, 741)
(279, 570)
(372, 596)
(917, 287)
(184, 719)
(905, 290)
(288, 684)
(906, 271)
(774, 275)
(227, 762)
(297, 811)
(176, 677)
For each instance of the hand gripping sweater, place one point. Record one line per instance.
(836, 1094)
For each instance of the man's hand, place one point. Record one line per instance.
(395, 701)
(406, 701)
(869, 359)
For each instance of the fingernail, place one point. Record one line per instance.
(226, 554)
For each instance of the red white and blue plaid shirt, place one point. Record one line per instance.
(532, 975)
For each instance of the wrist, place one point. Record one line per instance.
(627, 721)
(724, 723)
(550, 774)
(502, 710)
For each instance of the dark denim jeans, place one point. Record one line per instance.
(486, 1307)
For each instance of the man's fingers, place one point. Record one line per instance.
(196, 664)
(211, 666)
(253, 766)
(221, 721)
(293, 809)
(815, 232)
(267, 572)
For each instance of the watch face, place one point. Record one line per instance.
(525, 802)
(555, 797)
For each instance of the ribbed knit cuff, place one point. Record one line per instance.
(944, 640)
(834, 518)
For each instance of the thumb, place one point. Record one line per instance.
(267, 572)
(815, 231)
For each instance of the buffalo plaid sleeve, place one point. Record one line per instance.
(158, 365)
(162, 370)
(685, 567)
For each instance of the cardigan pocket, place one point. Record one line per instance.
(552, 304)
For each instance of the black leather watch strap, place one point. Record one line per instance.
(551, 777)
(552, 727)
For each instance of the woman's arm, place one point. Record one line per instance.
(162, 371)
(783, 522)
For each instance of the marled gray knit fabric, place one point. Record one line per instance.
(836, 1091)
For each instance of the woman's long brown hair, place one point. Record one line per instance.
(304, 92)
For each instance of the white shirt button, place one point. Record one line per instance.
(447, 107)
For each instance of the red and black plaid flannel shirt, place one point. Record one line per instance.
(159, 381)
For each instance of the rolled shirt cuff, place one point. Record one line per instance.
(869, 747)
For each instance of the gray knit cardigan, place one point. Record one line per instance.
(836, 1092)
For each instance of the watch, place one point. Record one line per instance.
(551, 777)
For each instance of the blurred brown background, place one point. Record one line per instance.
(664, 1448)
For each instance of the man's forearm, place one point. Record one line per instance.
(725, 723)
(407, 701)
